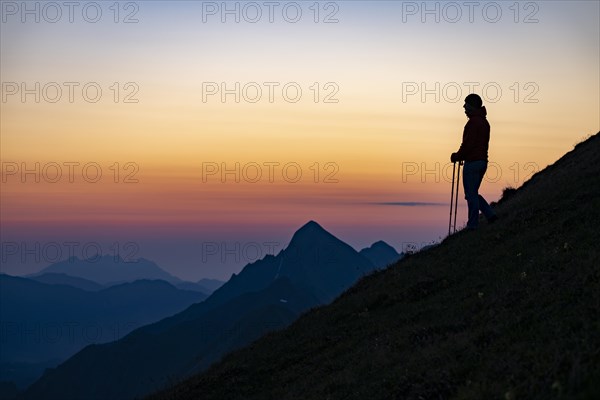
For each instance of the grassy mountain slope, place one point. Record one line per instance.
(511, 311)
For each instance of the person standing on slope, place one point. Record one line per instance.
(474, 152)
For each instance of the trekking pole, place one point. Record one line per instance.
(452, 197)
(457, 190)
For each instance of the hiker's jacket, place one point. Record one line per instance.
(476, 138)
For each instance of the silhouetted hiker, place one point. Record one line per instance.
(474, 152)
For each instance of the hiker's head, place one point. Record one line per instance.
(472, 103)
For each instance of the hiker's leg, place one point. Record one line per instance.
(471, 182)
(485, 208)
(483, 204)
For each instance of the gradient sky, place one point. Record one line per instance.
(384, 140)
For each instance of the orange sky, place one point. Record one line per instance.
(380, 129)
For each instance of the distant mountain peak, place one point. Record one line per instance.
(381, 254)
(381, 244)
(309, 232)
(311, 226)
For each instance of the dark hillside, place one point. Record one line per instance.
(509, 312)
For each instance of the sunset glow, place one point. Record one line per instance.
(163, 159)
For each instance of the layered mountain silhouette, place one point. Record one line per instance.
(509, 311)
(206, 286)
(109, 270)
(53, 278)
(45, 323)
(266, 295)
(210, 284)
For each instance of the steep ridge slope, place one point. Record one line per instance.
(510, 311)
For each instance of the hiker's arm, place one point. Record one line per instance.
(466, 144)
(460, 154)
